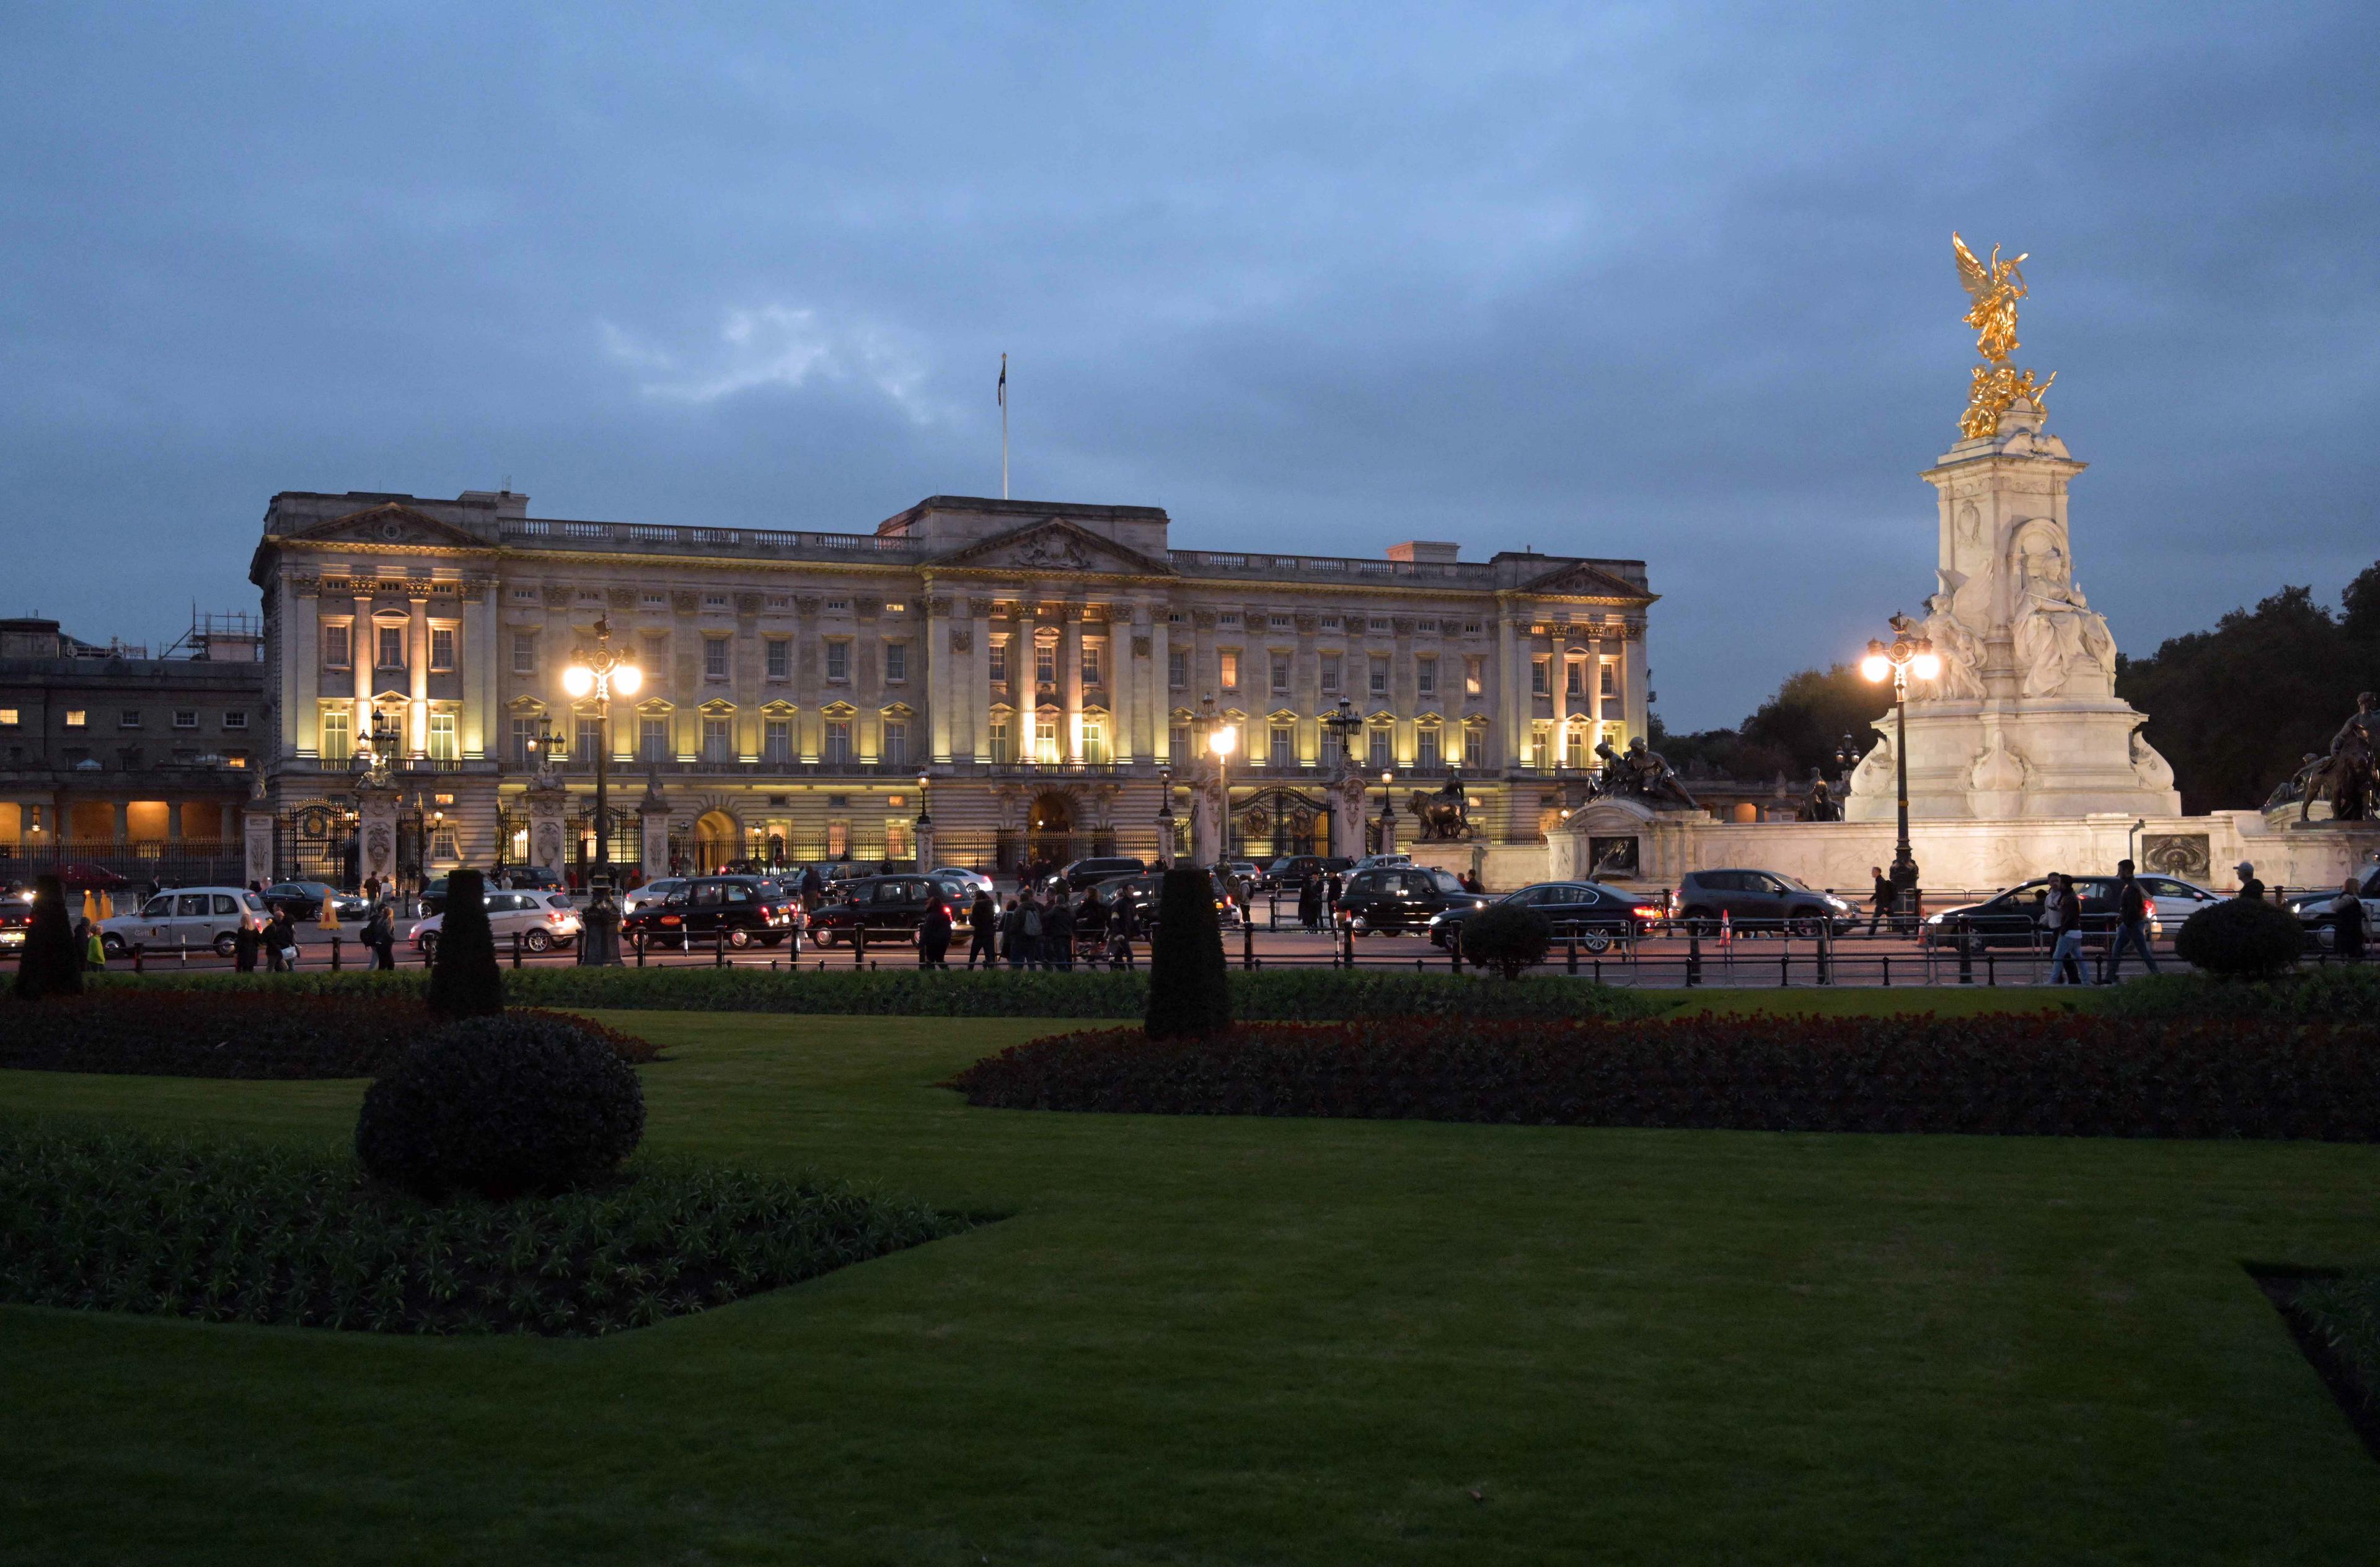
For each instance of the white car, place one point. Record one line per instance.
(654, 892)
(2176, 900)
(541, 919)
(973, 881)
(187, 917)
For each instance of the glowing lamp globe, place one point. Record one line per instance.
(1925, 666)
(578, 680)
(628, 679)
(1224, 741)
(1876, 666)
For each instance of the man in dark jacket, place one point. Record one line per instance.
(2131, 924)
(983, 919)
(1886, 895)
(934, 935)
(1058, 933)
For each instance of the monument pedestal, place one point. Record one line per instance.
(547, 801)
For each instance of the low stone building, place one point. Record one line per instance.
(1038, 674)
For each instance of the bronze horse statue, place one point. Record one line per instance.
(1439, 817)
(2345, 778)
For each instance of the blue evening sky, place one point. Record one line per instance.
(1669, 282)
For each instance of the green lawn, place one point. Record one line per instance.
(1240, 1340)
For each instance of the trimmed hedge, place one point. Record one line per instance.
(466, 981)
(2243, 937)
(2075, 1075)
(2337, 992)
(112, 1221)
(1507, 938)
(1189, 987)
(248, 1030)
(1286, 994)
(502, 1105)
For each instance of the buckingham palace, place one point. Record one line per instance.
(1040, 676)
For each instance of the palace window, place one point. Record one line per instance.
(1229, 617)
(896, 839)
(447, 843)
(442, 650)
(1427, 627)
(896, 743)
(1426, 749)
(838, 660)
(185, 718)
(1426, 676)
(1330, 664)
(1474, 627)
(1278, 622)
(1377, 623)
(76, 718)
(591, 595)
(1003, 749)
(714, 601)
(1045, 742)
(1172, 617)
(1574, 747)
(1045, 661)
(1475, 746)
(336, 744)
(1538, 747)
(838, 742)
(777, 740)
(1230, 669)
(524, 749)
(1573, 678)
(779, 651)
(391, 646)
(1474, 675)
(1541, 676)
(127, 718)
(1284, 744)
(896, 660)
(1177, 669)
(1329, 623)
(524, 595)
(714, 658)
(524, 652)
(1280, 673)
(653, 600)
(1095, 741)
(8, 718)
(777, 601)
(653, 738)
(589, 739)
(336, 654)
(1179, 747)
(718, 743)
(999, 660)
(1383, 744)
(1611, 681)
(1091, 661)
(443, 745)
(838, 606)
(1379, 677)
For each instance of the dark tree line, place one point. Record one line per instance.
(1793, 732)
(2236, 709)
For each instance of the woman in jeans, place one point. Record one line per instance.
(2064, 919)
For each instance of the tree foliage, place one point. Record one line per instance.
(51, 964)
(1793, 732)
(1189, 991)
(464, 982)
(2236, 710)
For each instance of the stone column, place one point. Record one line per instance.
(301, 664)
(375, 834)
(1557, 678)
(416, 710)
(1160, 688)
(1511, 730)
(546, 847)
(1070, 683)
(1122, 670)
(1594, 689)
(362, 648)
(939, 686)
(652, 822)
(1347, 814)
(923, 828)
(979, 722)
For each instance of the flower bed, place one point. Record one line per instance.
(248, 1030)
(233, 1233)
(1287, 994)
(2071, 1075)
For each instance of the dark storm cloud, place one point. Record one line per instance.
(1654, 281)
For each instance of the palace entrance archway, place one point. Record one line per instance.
(717, 841)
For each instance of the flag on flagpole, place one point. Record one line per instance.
(1003, 381)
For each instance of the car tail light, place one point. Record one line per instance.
(668, 919)
(1642, 912)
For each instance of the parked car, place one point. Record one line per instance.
(1371, 861)
(2313, 912)
(651, 893)
(1142, 893)
(187, 917)
(1248, 873)
(1287, 872)
(744, 909)
(1598, 916)
(16, 919)
(2013, 919)
(973, 881)
(541, 919)
(2176, 899)
(1758, 900)
(1390, 900)
(889, 908)
(302, 901)
(1084, 873)
(529, 879)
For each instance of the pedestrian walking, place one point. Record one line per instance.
(380, 937)
(983, 920)
(244, 942)
(1884, 895)
(1057, 934)
(1011, 933)
(2349, 918)
(934, 936)
(1309, 903)
(2064, 919)
(2250, 890)
(280, 943)
(94, 950)
(2131, 924)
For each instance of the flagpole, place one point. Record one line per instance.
(1004, 427)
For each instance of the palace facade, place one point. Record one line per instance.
(1038, 675)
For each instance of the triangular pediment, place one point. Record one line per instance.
(392, 522)
(1579, 580)
(1053, 544)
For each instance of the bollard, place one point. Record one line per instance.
(859, 942)
(1826, 955)
(1247, 940)
(1454, 950)
(1888, 971)
(1785, 969)
(1991, 967)
(139, 950)
(334, 953)
(1347, 937)
(1694, 955)
(719, 948)
(517, 949)
(185, 947)
(640, 949)
(1571, 943)
(1966, 953)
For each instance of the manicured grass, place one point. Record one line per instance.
(1867, 1001)
(1209, 1340)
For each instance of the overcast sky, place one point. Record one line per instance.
(1659, 282)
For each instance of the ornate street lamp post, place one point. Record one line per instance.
(1344, 723)
(925, 828)
(1388, 810)
(1165, 817)
(601, 670)
(1904, 656)
(1224, 740)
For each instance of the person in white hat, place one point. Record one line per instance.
(2250, 888)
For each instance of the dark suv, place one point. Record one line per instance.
(1290, 871)
(1142, 895)
(2014, 920)
(1084, 873)
(1758, 900)
(1390, 899)
(744, 909)
(889, 908)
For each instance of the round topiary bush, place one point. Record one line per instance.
(1507, 938)
(502, 1106)
(2243, 937)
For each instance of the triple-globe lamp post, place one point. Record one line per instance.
(601, 670)
(1897, 660)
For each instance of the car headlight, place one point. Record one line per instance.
(1837, 904)
(1933, 920)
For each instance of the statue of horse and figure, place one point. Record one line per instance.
(2349, 776)
(1442, 816)
(1642, 774)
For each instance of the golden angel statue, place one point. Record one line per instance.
(1995, 289)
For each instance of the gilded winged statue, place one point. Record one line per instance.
(1997, 384)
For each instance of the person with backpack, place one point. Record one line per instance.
(1029, 933)
(1011, 933)
(1057, 934)
(2062, 916)
(983, 920)
(2131, 924)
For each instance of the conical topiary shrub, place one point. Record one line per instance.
(1188, 995)
(52, 964)
(466, 982)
